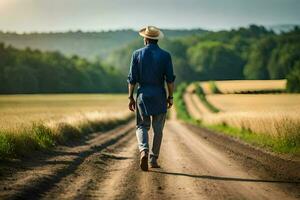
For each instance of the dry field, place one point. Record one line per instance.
(236, 86)
(31, 122)
(21, 110)
(276, 115)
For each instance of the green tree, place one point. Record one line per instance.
(214, 60)
(257, 62)
(293, 79)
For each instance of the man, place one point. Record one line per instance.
(150, 67)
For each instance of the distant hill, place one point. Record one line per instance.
(85, 44)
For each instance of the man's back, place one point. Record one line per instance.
(151, 67)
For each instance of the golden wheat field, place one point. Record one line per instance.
(256, 102)
(274, 114)
(236, 86)
(19, 111)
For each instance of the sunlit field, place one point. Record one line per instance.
(237, 86)
(22, 110)
(274, 114)
(252, 102)
(40, 121)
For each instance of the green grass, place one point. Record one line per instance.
(279, 145)
(213, 87)
(180, 106)
(199, 91)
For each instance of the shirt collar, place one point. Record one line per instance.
(151, 45)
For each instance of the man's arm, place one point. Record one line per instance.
(132, 80)
(131, 89)
(170, 89)
(170, 78)
(131, 104)
(170, 94)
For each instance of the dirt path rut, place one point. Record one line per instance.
(192, 168)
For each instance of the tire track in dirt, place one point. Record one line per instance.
(200, 171)
(100, 175)
(119, 178)
(192, 168)
(40, 175)
(128, 181)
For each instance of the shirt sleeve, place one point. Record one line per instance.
(169, 73)
(133, 70)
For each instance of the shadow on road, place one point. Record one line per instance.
(221, 178)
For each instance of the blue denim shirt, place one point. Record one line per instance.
(150, 67)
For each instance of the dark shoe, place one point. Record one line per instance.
(154, 165)
(144, 161)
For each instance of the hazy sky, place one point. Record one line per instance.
(62, 15)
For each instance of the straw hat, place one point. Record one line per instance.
(151, 32)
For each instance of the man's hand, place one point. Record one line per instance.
(131, 104)
(170, 102)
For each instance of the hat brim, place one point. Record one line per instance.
(160, 35)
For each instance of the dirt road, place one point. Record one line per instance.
(195, 164)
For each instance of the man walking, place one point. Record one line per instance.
(150, 67)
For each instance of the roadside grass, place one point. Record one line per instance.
(180, 106)
(39, 122)
(275, 144)
(289, 144)
(41, 136)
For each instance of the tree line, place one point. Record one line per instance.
(90, 45)
(33, 71)
(245, 53)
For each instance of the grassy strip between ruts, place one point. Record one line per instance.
(200, 93)
(180, 106)
(213, 87)
(279, 145)
(42, 137)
